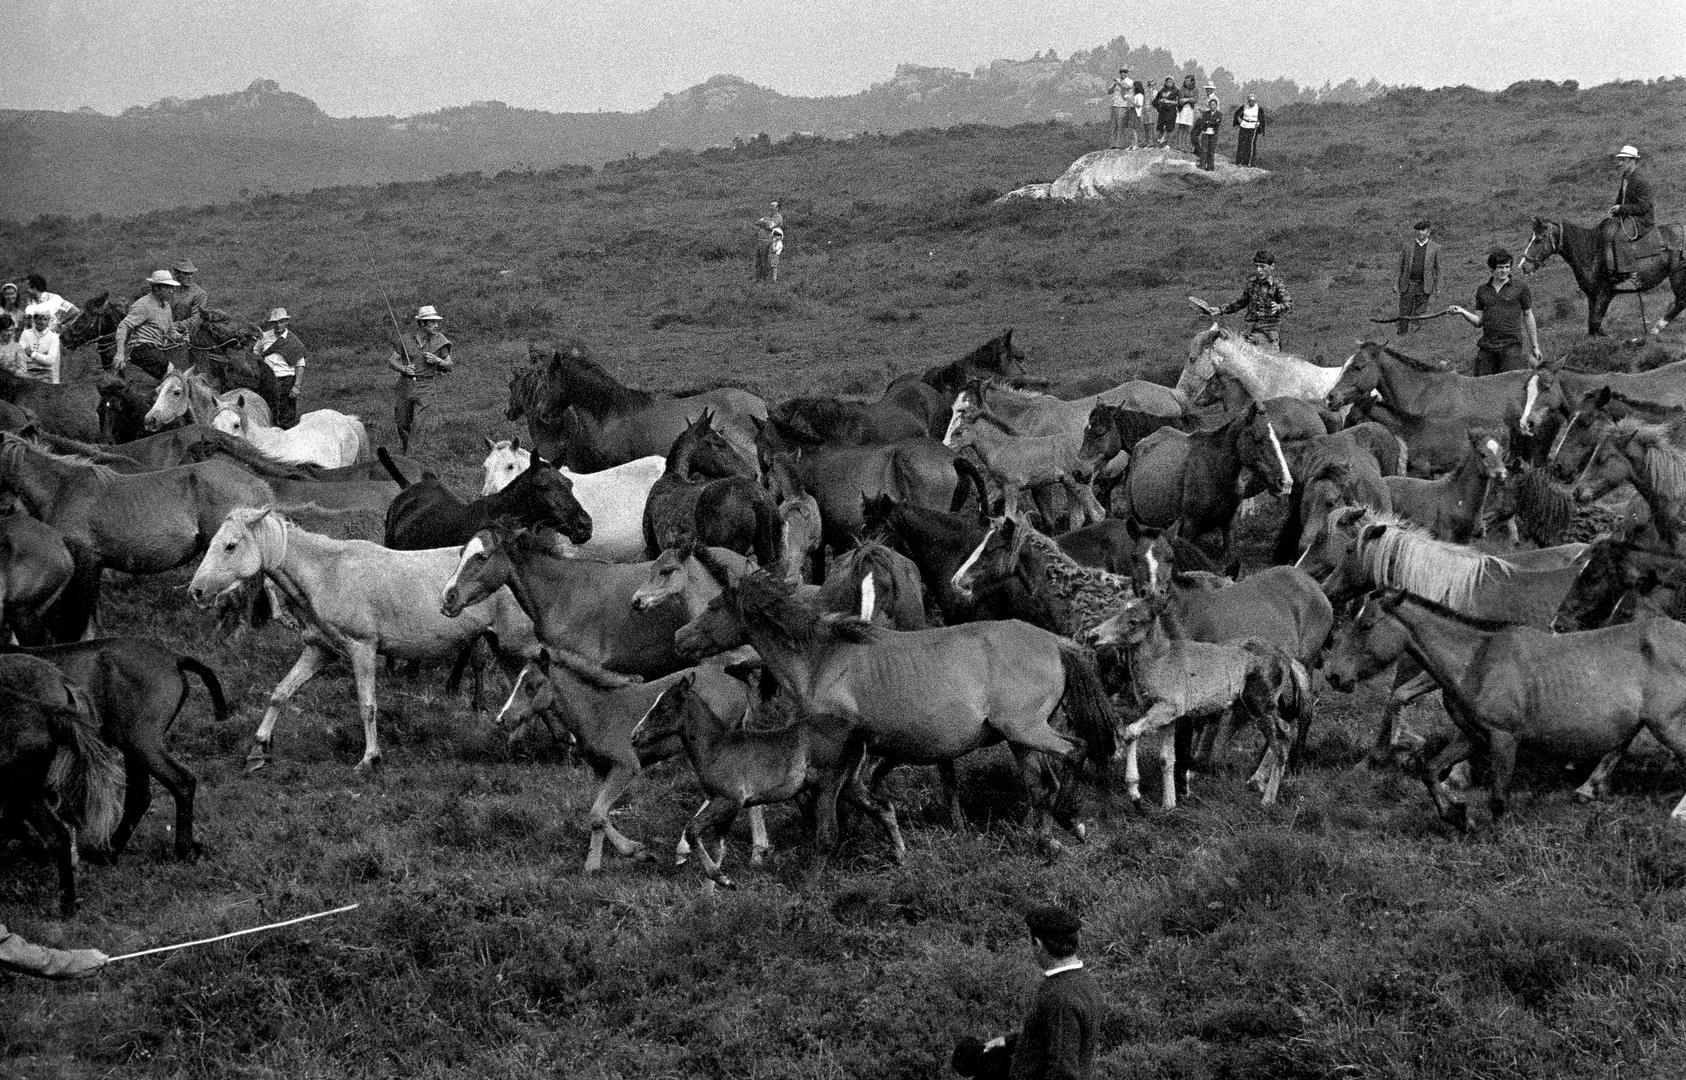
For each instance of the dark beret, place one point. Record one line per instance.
(1052, 921)
(1263, 256)
(1425, 223)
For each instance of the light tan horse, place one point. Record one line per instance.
(189, 394)
(353, 599)
(1017, 461)
(1264, 373)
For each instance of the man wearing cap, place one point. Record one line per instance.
(1120, 91)
(1504, 310)
(1249, 119)
(189, 302)
(22, 957)
(1058, 1037)
(1265, 300)
(152, 325)
(421, 357)
(769, 233)
(1631, 218)
(1206, 128)
(1418, 278)
(62, 311)
(284, 356)
(39, 344)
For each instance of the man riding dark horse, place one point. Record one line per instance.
(1630, 235)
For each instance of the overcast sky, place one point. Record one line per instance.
(373, 57)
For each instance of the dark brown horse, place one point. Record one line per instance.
(845, 423)
(426, 515)
(44, 594)
(930, 394)
(581, 417)
(707, 492)
(1583, 249)
(71, 408)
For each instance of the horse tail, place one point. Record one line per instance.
(213, 685)
(391, 467)
(965, 469)
(88, 774)
(1086, 706)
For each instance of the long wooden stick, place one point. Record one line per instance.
(235, 934)
(1413, 318)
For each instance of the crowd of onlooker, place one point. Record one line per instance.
(1183, 120)
(31, 319)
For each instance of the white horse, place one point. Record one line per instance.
(1264, 372)
(323, 437)
(614, 497)
(188, 393)
(353, 599)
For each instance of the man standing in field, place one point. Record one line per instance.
(1504, 310)
(1057, 1041)
(769, 233)
(1120, 92)
(1206, 128)
(283, 355)
(1249, 119)
(1165, 110)
(1265, 300)
(152, 324)
(1419, 277)
(420, 358)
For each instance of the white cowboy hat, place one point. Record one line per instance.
(162, 277)
(1628, 151)
(185, 267)
(428, 312)
(277, 315)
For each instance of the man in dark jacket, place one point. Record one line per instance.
(1207, 124)
(1058, 1038)
(1631, 218)
(1419, 276)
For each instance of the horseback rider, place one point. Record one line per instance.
(152, 323)
(1631, 219)
(421, 357)
(190, 301)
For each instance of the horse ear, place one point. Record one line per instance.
(1371, 533)
(1603, 397)
(1391, 598)
(490, 445)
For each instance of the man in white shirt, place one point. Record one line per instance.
(62, 311)
(284, 357)
(39, 344)
(1250, 120)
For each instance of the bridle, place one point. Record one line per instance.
(1553, 232)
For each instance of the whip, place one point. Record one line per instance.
(234, 934)
(1412, 318)
(397, 330)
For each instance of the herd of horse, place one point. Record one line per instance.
(799, 597)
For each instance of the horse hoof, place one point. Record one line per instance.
(256, 762)
(640, 854)
(758, 858)
(1081, 831)
(726, 882)
(368, 767)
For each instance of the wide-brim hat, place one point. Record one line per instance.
(162, 277)
(277, 315)
(1263, 256)
(428, 312)
(185, 267)
(1628, 151)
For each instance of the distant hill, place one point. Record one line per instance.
(225, 146)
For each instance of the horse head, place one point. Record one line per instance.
(98, 318)
(1101, 438)
(531, 695)
(546, 497)
(1153, 562)
(236, 553)
(657, 734)
(1361, 376)
(482, 568)
(1200, 365)
(1261, 453)
(669, 575)
(1368, 643)
(1545, 241)
(1490, 450)
(994, 560)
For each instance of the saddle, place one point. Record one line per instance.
(1633, 254)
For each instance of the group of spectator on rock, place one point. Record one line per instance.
(1182, 121)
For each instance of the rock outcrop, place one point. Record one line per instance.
(1105, 174)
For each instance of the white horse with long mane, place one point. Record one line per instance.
(1265, 373)
(322, 437)
(614, 497)
(188, 393)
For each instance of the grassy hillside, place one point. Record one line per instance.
(1341, 934)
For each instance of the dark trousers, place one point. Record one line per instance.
(1208, 151)
(277, 391)
(1413, 301)
(1496, 360)
(1246, 146)
(151, 359)
(763, 260)
(1120, 114)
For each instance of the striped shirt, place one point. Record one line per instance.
(149, 322)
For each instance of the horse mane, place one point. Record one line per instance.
(771, 604)
(986, 359)
(1415, 362)
(1664, 460)
(988, 417)
(1407, 557)
(1546, 510)
(1205, 339)
(1091, 594)
(571, 375)
(99, 469)
(1474, 622)
(709, 561)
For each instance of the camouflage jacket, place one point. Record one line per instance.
(1265, 299)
